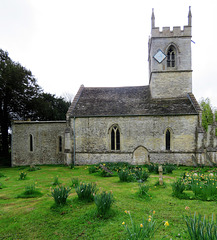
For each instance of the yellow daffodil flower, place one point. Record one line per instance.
(166, 224)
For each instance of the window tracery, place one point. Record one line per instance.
(115, 138)
(171, 57)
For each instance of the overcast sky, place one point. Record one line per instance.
(103, 43)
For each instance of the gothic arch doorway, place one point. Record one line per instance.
(141, 156)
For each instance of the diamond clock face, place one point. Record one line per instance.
(159, 56)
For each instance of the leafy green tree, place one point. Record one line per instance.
(207, 113)
(17, 88)
(21, 98)
(49, 107)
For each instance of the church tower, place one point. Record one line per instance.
(170, 73)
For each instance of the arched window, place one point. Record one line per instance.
(60, 144)
(168, 138)
(171, 57)
(115, 138)
(31, 143)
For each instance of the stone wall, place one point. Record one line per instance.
(92, 139)
(170, 84)
(45, 144)
(183, 53)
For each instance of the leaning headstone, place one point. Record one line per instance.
(105, 168)
(160, 170)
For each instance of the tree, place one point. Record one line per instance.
(22, 98)
(17, 88)
(48, 107)
(207, 113)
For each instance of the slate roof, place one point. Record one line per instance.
(128, 101)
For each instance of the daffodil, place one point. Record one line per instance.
(166, 224)
(123, 223)
(141, 225)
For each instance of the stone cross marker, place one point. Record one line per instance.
(160, 170)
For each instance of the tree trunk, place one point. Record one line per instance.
(4, 129)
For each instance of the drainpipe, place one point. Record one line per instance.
(74, 142)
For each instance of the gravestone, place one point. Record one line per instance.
(160, 170)
(105, 169)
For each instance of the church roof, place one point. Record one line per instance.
(128, 101)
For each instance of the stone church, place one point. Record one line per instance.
(157, 123)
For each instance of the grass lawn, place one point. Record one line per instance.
(36, 218)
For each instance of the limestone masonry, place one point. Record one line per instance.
(158, 123)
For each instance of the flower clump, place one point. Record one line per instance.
(144, 230)
(203, 185)
(22, 176)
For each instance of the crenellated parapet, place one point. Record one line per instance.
(170, 72)
(175, 32)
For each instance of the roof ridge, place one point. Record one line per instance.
(116, 87)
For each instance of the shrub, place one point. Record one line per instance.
(75, 182)
(150, 167)
(133, 174)
(125, 175)
(22, 176)
(143, 191)
(22, 168)
(30, 189)
(60, 194)
(103, 202)
(169, 168)
(204, 191)
(2, 175)
(103, 173)
(56, 181)
(92, 169)
(117, 166)
(201, 228)
(140, 174)
(30, 192)
(144, 230)
(204, 186)
(86, 191)
(178, 188)
(153, 168)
